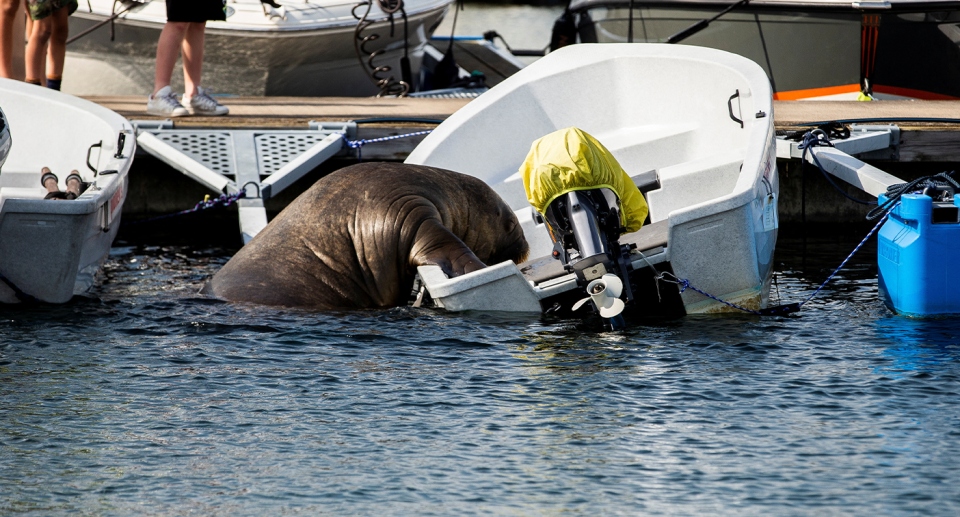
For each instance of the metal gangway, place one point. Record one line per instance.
(259, 162)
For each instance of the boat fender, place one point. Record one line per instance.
(447, 72)
(564, 31)
(586, 29)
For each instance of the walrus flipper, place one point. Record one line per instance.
(436, 245)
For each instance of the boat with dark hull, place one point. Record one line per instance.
(810, 49)
(302, 49)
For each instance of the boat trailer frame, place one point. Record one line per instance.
(259, 162)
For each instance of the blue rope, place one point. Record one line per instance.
(222, 200)
(357, 144)
(785, 309)
(227, 200)
(835, 271)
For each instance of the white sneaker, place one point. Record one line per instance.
(203, 104)
(165, 104)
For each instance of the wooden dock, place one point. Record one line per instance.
(929, 141)
(923, 138)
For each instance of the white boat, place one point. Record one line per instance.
(51, 250)
(306, 48)
(692, 126)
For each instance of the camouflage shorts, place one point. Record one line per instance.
(40, 9)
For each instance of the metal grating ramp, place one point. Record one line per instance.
(451, 93)
(213, 150)
(210, 156)
(274, 150)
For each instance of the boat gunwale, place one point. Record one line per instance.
(221, 28)
(90, 201)
(762, 130)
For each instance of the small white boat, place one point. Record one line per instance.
(305, 48)
(53, 249)
(692, 126)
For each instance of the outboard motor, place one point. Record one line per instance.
(5, 141)
(585, 227)
(587, 202)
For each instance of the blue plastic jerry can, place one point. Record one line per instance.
(918, 254)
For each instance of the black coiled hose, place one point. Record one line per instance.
(388, 85)
(942, 181)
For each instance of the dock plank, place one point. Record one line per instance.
(926, 133)
(279, 109)
(907, 113)
(293, 111)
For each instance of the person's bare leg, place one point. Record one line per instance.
(21, 27)
(58, 42)
(57, 48)
(36, 49)
(74, 182)
(193, 57)
(9, 14)
(168, 48)
(49, 182)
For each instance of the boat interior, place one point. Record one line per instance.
(691, 126)
(650, 112)
(64, 146)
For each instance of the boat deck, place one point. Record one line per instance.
(649, 240)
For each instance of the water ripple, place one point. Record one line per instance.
(148, 399)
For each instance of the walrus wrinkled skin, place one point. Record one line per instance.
(356, 237)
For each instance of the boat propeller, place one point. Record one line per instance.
(605, 294)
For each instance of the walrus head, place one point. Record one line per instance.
(494, 233)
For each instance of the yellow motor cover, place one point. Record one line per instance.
(570, 159)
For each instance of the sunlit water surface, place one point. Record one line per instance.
(150, 400)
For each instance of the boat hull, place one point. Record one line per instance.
(808, 53)
(51, 250)
(315, 62)
(709, 150)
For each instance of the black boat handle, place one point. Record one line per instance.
(90, 150)
(122, 139)
(730, 107)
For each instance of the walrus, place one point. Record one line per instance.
(355, 238)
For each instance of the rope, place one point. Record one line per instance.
(228, 199)
(223, 200)
(357, 144)
(942, 181)
(685, 284)
(781, 309)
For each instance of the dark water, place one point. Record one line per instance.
(152, 401)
